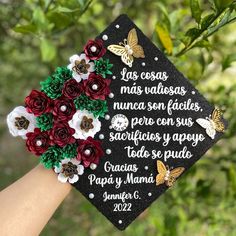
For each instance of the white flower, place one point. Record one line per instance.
(80, 66)
(84, 124)
(20, 122)
(69, 170)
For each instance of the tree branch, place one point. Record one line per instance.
(194, 40)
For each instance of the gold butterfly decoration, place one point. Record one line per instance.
(128, 49)
(213, 123)
(166, 175)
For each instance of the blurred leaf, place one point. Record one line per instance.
(164, 37)
(66, 10)
(206, 20)
(221, 21)
(210, 58)
(193, 32)
(48, 50)
(196, 11)
(202, 44)
(59, 19)
(25, 29)
(47, 3)
(228, 60)
(186, 40)
(202, 61)
(165, 16)
(39, 18)
(222, 4)
(82, 3)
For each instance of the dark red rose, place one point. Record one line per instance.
(96, 87)
(94, 49)
(64, 109)
(61, 134)
(38, 103)
(89, 151)
(37, 142)
(72, 89)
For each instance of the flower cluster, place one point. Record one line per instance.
(60, 121)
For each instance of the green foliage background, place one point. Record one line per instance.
(199, 37)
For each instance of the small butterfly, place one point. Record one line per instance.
(212, 124)
(167, 176)
(128, 49)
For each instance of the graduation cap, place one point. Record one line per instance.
(157, 126)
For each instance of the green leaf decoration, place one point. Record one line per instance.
(45, 121)
(98, 107)
(52, 157)
(70, 151)
(63, 74)
(102, 67)
(52, 86)
(81, 102)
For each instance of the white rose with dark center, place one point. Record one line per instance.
(84, 124)
(20, 122)
(69, 170)
(81, 67)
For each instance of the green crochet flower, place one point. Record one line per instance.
(98, 107)
(70, 151)
(52, 86)
(102, 67)
(81, 102)
(45, 121)
(51, 157)
(63, 74)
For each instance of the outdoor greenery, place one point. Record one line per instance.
(198, 36)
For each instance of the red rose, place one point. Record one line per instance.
(96, 87)
(89, 151)
(94, 49)
(37, 142)
(63, 109)
(61, 134)
(38, 103)
(72, 89)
